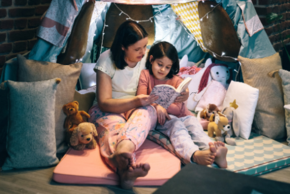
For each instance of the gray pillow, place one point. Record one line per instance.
(31, 71)
(285, 76)
(30, 134)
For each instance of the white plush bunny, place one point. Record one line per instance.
(202, 78)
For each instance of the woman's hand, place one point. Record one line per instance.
(162, 114)
(146, 100)
(184, 96)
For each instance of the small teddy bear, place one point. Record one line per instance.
(210, 110)
(82, 136)
(74, 116)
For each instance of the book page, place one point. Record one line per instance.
(166, 94)
(183, 85)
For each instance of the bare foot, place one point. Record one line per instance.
(205, 157)
(128, 177)
(221, 154)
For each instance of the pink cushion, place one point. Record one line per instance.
(87, 167)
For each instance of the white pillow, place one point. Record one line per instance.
(246, 98)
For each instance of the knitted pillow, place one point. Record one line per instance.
(269, 117)
(31, 71)
(30, 135)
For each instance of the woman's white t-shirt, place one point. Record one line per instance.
(124, 81)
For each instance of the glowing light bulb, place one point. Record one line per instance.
(120, 13)
(201, 19)
(223, 53)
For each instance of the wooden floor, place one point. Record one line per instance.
(40, 181)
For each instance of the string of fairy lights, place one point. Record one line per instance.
(150, 19)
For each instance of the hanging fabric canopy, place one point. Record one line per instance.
(146, 2)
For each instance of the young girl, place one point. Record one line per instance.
(181, 126)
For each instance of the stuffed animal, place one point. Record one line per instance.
(74, 116)
(230, 113)
(82, 136)
(217, 127)
(208, 111)
(201, 80)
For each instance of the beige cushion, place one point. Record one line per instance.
(285, 75)
(85, 100)
(269, 117)
(31, 71)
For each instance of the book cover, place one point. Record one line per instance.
(167, 93)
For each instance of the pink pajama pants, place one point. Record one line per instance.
(113, 128)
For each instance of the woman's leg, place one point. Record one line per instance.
(108, 126)
(118, 140)
(137, 127)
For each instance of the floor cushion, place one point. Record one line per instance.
(87, 167)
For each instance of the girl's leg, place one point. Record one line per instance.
(196, 132)
(202, 140)
(179, 137)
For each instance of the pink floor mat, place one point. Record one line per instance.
(87, 167)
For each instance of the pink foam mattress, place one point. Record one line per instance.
(87, 167)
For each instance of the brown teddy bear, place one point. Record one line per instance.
(82, 136)
(207, 112)
(74, 116)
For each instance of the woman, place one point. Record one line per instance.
(122, 119)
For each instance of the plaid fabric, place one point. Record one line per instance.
(188, 13)
(164, 141)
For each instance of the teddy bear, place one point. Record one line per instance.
(83, 136)
(208, 111)
(217, 126)
(74, 116)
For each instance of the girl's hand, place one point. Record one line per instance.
(146, 100)
(184, 96)
(162, 114)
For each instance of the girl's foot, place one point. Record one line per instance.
(205, 157)
(221, 154)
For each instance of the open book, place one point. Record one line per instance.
(167, 93)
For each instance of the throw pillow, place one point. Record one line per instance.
(30, 135)
(285, 75)
(31, 71)
(244, 99)
(269, 117)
